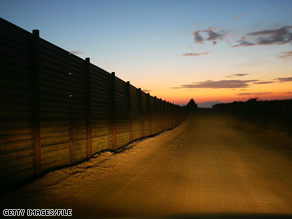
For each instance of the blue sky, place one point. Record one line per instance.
(171, 48)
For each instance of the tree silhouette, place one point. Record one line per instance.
(191, 105)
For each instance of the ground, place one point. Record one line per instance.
(208, 165)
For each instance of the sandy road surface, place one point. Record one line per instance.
(209, 164)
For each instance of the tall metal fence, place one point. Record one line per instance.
(57, 109)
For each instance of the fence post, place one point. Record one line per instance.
(175, 115)
(70, 117)
(36, 130)
(113, 112)
(171, 118)
(161, 114)
(169, 115)
(130, 112)
(156, 115)
(149, 114)
(165, 114)
(141, 113)
(88, 107)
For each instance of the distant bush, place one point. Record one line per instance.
(191, 106)
(276, 114)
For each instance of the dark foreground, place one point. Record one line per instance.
(209, 166)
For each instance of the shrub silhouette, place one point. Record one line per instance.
(275, 114)
(191, 106)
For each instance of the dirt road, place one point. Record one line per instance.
(209, 164)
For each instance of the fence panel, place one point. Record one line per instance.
(135, 109)
(78, 147)
(145, 114)
(16, 143)
(54, 105)
(122, 115)
(153, 115)
(58, 109)
(100, 108)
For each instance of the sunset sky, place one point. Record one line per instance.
(175, 49)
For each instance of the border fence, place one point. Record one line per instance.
(58, 109)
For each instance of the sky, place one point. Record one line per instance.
(224, 50)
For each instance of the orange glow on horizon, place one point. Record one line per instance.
(275, 90)
(224, 98)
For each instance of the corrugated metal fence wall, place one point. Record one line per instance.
(58, 109)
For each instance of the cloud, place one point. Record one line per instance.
(195, 54)
(211, 36)
(240, 75)
(243, 42)
(232, 84)
(284, 79)
(264, 82)
(279, 36)
(259, 93)
(277, 80)
(238, 16)
(76, 52)
(146, 91)
(286, 54)
(236, 75)
(288, 93)
(198, 37)
(218, 84)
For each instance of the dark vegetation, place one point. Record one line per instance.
(269, 115)
(191, 106)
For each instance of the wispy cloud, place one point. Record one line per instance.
(276, 80)
(286, 54)
(212, 35)
(240, 75)
(198, 38)
(236, 75)
(279, 36)
(195, 54)
(218, 84)
(259, 93)
(264, 82)
(243, 42)
(146, 91)
(77, 52)
(288, 93)
(232, 84)
(285, 79)
(238, 16)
